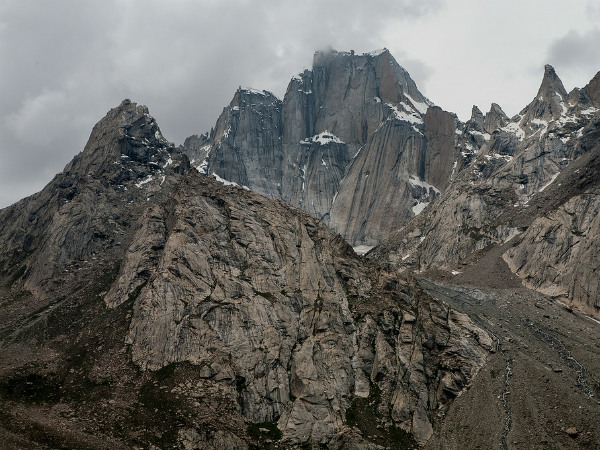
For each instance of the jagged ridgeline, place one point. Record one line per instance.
(353, 142)
(161, 297)
(530, 184)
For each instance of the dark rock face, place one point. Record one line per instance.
(494, 119)
(592, 90)
(247, 148)
(90, 205)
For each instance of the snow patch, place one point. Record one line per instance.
(203, 167)
(485, 136)
(168, 163)
(422, 107)
(376, 52)
(416, 181)
(405, 257)
(562, 105)
(323, 138)
(453, 170)
(552, 178)
(491, 156)
(455, 272)
(362, 249)
(541, 123)
(589, 111)
(143, 182)
(255, 91)
(412, 117)
(227, 183)
(515, 128)
(419, 207)
(567, 119)
(334, 197)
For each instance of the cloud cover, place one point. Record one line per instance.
(65, 63)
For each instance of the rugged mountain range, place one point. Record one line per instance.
(197, 297)
(132, 282)
(533, 182)
(350, 129)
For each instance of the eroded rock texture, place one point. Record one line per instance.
(273, 313)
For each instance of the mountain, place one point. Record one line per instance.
(208, 296)
(147, 305)
(531, 182)
(350, 117)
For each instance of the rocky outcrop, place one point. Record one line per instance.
(272, 313)
(246, 147)
(495, 119)
(592, 90)
(89, 207)
(246, 320)
(557, 254)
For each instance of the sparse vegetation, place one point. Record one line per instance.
(266, 295)
(363, 414)
(264, 434)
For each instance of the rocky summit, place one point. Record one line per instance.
(208, 296)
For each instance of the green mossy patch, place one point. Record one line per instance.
(363, 415)
(263, 434)
(266, 295)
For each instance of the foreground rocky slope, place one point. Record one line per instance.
(153, 306)
(540, 389)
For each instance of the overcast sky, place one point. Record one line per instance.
(65, 63)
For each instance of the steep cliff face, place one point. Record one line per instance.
(244, 147)
(558, 253)
(268, 312)
(508, 180)
(336, 124)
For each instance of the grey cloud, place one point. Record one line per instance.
(593, 9)
(576, 51)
